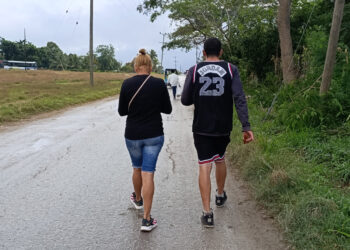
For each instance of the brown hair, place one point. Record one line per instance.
(143, 60)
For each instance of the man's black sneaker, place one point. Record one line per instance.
(137, 204)
(208, 219)
(148, 225)
(220, 201)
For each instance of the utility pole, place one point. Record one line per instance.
(175, 62)
(161, 60)
(92, 43)
(25, 50)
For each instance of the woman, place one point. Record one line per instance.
(143, 98)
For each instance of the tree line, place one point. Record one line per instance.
(53, 58)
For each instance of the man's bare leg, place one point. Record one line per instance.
(220, 175)
(205, 185)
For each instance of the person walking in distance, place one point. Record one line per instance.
(143, 98)
(173, 79)
(212, 86)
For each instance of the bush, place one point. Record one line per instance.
(300, 105)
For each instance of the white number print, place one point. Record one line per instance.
(219, 84)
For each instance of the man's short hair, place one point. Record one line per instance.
(212, 46)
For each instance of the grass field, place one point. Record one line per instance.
(23, 94)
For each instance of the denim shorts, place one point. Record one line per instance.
(144, 153)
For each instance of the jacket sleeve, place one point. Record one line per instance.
(239, 99)
(166, 103)
(123, 104)
(187, 92)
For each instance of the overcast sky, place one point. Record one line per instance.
(116, 22)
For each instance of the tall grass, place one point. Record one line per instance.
(301, 177)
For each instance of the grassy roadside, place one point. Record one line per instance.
(302, 178)
(23, 94)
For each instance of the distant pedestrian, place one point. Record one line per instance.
(143, 98)
(212, 86)
(182, 78)
(173, 80)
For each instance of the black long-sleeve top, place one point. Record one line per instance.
(144, 116)
(188, 95)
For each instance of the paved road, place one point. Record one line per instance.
(65, 182)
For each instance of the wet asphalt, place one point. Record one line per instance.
(65, 182)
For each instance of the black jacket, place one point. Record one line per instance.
(213, 87)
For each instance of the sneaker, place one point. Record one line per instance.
(137, 204)
(220, 201)
(148, 225)
(208, 219)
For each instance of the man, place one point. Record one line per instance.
(182, 78)
(173, 80)
(212, 86)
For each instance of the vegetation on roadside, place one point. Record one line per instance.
(299, 165)
(23, 94)
(302, 177)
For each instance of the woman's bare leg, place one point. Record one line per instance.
(137, 181)
(147, 193)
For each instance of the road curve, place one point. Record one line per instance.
(65, 183)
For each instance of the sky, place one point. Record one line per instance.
(66, 22)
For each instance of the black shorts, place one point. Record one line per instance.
(210, 148)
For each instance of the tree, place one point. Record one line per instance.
(127, 67)
(2, 57)
(43, 58)
(246, 28)
(9, 49)
(85, 61)
(106, 58)
(155, 62)
(345, 32)
(197, 19)
(73, 62)
(286, 45)
(332, 46)
(54, 56)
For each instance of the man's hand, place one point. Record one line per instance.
(248, 136)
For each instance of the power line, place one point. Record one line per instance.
(76, 22)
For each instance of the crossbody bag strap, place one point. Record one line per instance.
(138, 91)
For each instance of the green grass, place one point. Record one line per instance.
(20, 100)
(302, 178)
